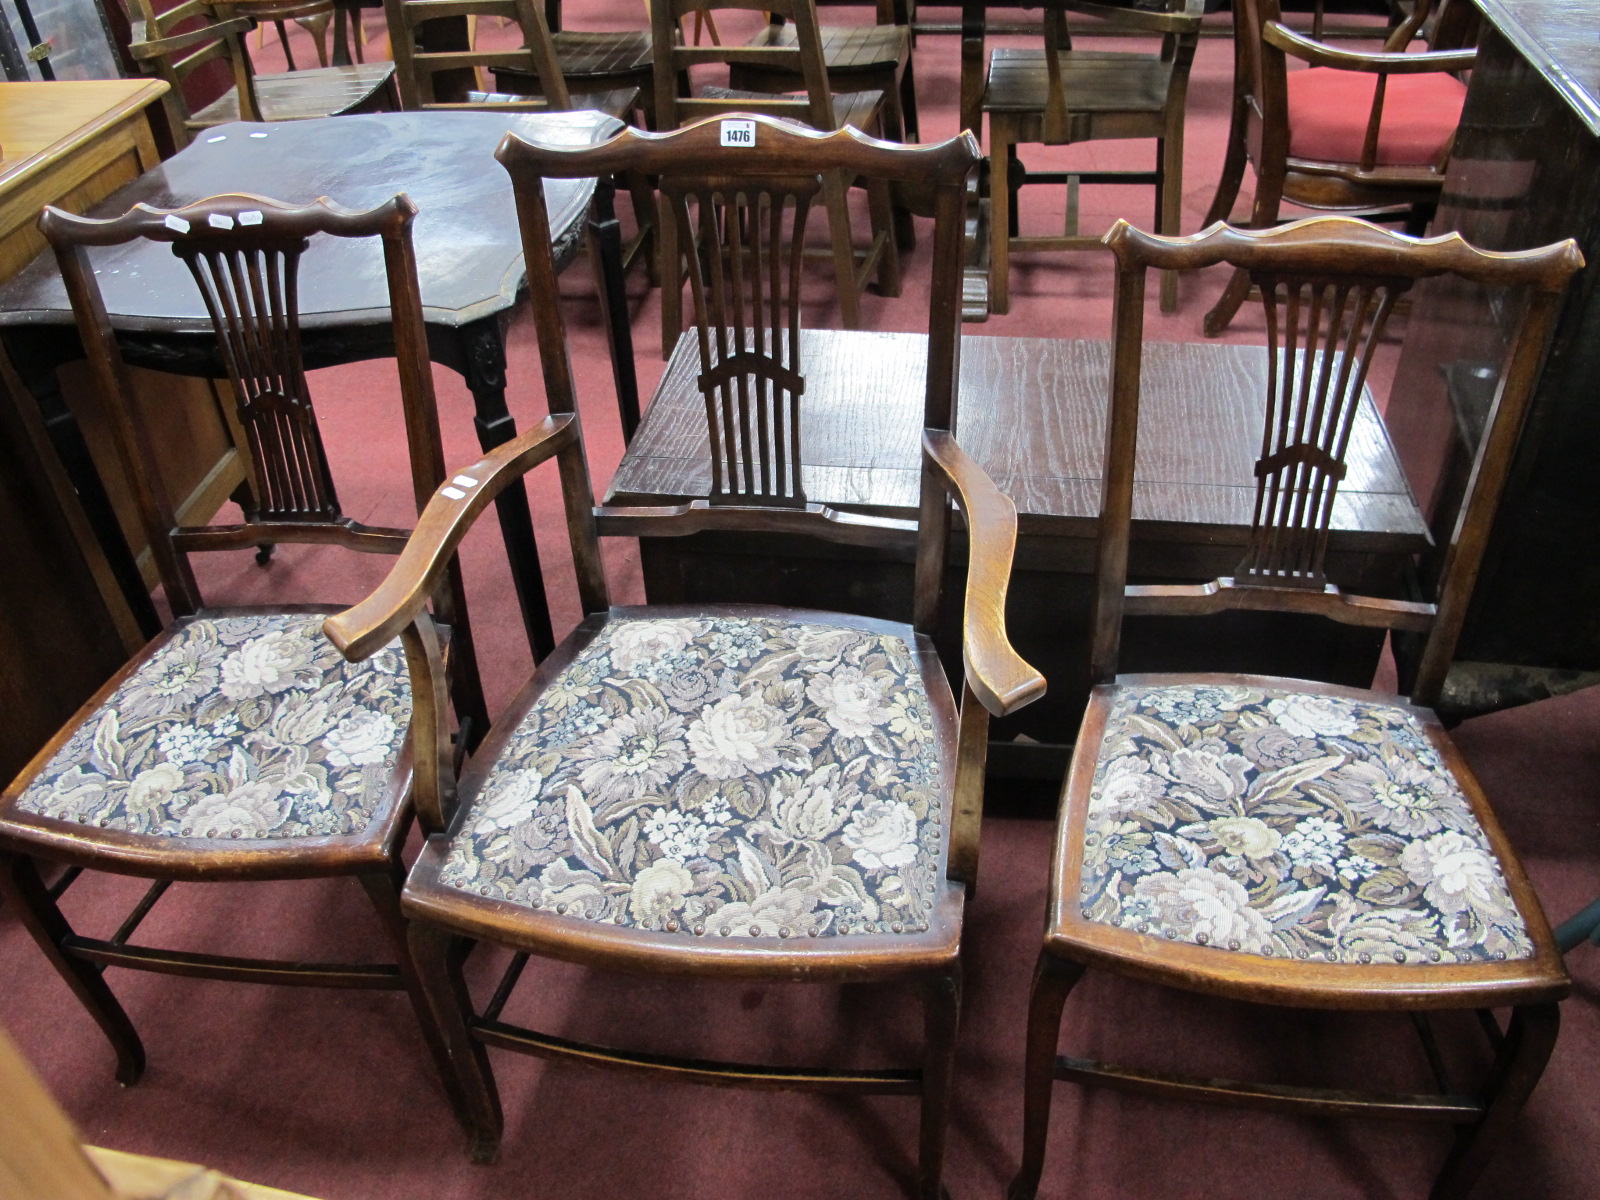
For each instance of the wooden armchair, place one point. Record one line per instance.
(801, 801)
(1282, 842)
(1058, 95)
(818, 108)
(161, 50)
(1356, 132)
(238, 745)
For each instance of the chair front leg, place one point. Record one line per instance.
(941, 1018)
(383, 889)
(1053, 979)
(30, 899)
(438, 955)
(1520, 1062)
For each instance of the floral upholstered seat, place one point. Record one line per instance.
(1285, 823)
(243, 726)
(728, 776)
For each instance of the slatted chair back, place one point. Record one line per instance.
(174, 44)
(756, 199)
(745, 287)
(244, 254)
(1329, 285)
(1176, 22)
(804, 59)
(436, 79)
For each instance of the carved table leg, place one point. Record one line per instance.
(482, 360)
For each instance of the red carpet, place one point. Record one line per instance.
(331, 1094)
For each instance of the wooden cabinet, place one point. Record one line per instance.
(65, 625)
(1525, 172)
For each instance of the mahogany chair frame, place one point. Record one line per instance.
(173, 56)
(1258, 132)
(1353, 273)
(243, 252)
(1069, 96)
(785, 161)
(820, 109)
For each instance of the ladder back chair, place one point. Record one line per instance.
(808, 809)
(874, 57)
(163, 49)
(818, 108)
(1278, 841)
(239, 745)
(1059, 95)
(1355, 132)
(434, 74)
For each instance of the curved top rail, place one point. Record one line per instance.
(1346, 246)
(779, 148)
(234, 214)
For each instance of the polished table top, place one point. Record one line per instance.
(469, 252)
(1036, 422)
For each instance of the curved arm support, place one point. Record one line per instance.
(997, 675)
(1319, 54)
(362, 629)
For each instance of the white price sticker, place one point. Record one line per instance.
(738, 133)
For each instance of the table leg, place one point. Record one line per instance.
(482, 362)
(605, 239)
(345, 14)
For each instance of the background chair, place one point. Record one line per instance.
(238, 745)
(162, 51)
(818, 108)
(1059, 95)
(1357, 132)
(1283, 842)
(873, 58)
(616, 834)
(438, 66)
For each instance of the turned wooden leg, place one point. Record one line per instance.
(844, 254)
(880, 203)
(383, 888)
(438, 955)
(1520, 1062)
(1053, 979)
(1169, 151)
(1001, 215)
(941, 1017)
(28, 897)
(671, 272)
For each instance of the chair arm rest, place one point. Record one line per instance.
(364, 628)
(1318, 54)
(1000, 678)
(143, 51)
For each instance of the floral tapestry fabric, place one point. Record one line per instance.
(729, 776)
(1288, 824)
(248, 726)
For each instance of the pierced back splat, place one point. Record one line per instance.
(745, 283)
(252, 296)
(1321, 334)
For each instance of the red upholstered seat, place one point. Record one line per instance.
(1328, 112)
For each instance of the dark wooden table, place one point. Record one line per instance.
(469, 257)
(1032, 414)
